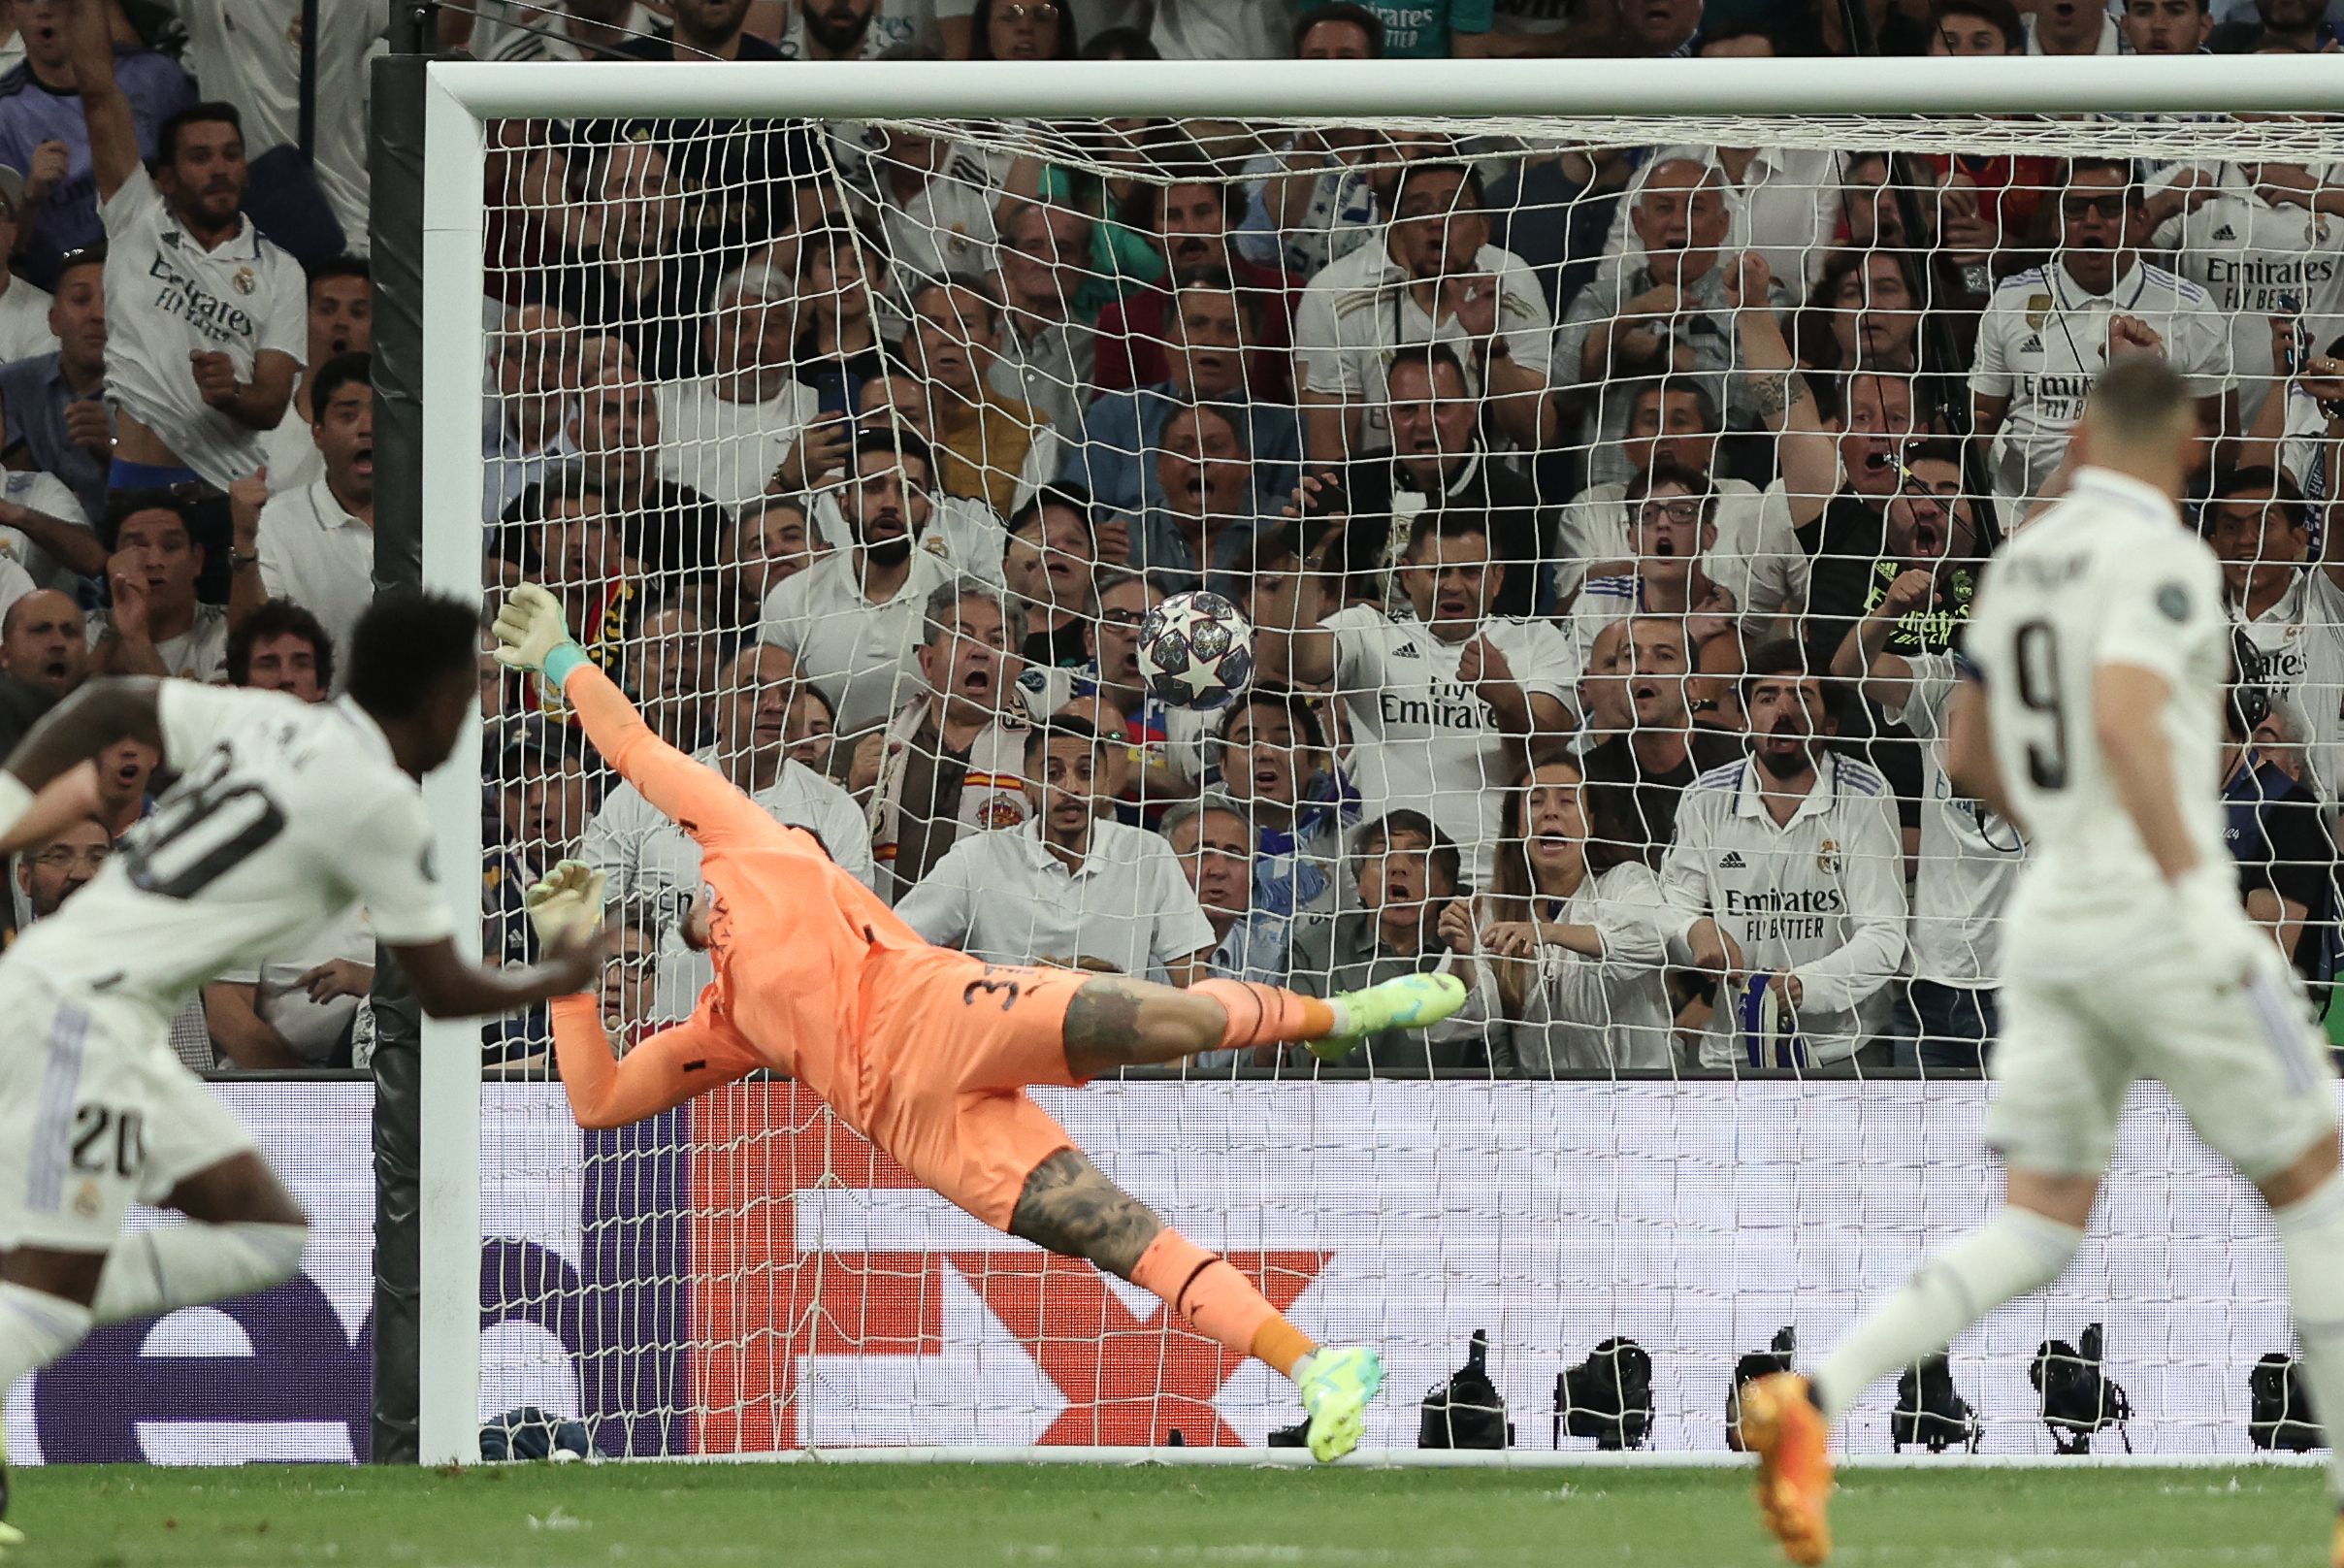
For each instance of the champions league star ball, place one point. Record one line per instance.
(1195, 651)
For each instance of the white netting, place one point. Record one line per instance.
(869, 446)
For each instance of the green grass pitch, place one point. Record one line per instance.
(649, 1516)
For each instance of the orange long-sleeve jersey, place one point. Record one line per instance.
(791, 937)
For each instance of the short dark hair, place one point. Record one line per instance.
(1059, 727)
(1429, 357)
(1694, 482)
(560, 483)
(1777, 656)
(864, 439)
(1146, 210)
(2232, 482)
(1358, 17)
(333, 267)
(123, 505)
(408, 642)
(1449, 523)
(336, 373)
(1374, 838)
(278, 617)
(1073, 498)
(1285, 700)
(1418, 169)
(2000, 15)
(212, 111)
(1662, 388)
(2124, 169)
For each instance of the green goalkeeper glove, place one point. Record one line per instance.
(566, 907)
(532, 636)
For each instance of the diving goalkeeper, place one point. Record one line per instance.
(925, 1051)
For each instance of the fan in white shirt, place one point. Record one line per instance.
(2048, 332)
(725, 432)
(1433, 278)
(206, 324)
(2291, 607)
(24, 307)
(1570, 938)
(1069, 886)
(317, 544)
(854, 619)
(2264, 242)
(652, 863)
(1787, 881)
(1440, 698)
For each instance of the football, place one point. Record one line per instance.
(1195, 651)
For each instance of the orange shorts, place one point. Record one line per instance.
(952, 1043)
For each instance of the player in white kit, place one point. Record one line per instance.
(285, 814)
(2093, 719)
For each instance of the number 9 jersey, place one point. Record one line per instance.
(2108, 576)
(284, 815)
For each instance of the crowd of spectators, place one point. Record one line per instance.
(1608, 516)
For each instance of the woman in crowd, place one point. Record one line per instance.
(1569, 933)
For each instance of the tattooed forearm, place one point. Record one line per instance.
(1103, 1020)
(1769, 393)
(1071, 1209)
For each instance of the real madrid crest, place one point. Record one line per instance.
(2038, 305)
(1827, 858)
(244, 280)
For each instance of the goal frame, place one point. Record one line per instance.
(460, 97)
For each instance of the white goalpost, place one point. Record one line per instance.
(745, 1278)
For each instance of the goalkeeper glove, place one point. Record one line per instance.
(531, 634)
(565, 908)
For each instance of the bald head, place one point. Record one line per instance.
(43, 642)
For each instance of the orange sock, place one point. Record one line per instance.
(1217, 1301)
(1265, 1015)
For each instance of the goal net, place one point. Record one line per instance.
(1578, 475)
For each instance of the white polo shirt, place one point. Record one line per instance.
(1423, 740)
(652, 863)
(726, 451)
(1757, 558)
(2044, 340)
(1358, 310)
(2256, 259)
(1969, 856)
(318, 555)
(1821, 897)
(40, 492)
(166, 298)
(1003, 896)
(962, 532)
(863, 656)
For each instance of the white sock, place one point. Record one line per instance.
(187, 1265)
(2017, 1251)
(36, 1329)
(2311, 1238)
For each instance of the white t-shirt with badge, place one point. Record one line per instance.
(1421, 740)
(2301, 641)
(166, 298)
(2044, 340)
(2256, 260)
(1969, 856)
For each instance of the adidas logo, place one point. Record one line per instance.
(2032, 345)
(1408, 650)
(2226, 232)
(1732, 862)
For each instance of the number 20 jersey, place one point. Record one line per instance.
(2107, 577)
(284, 815)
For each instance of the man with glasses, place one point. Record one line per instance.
(853, 620)
(2049, 331)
